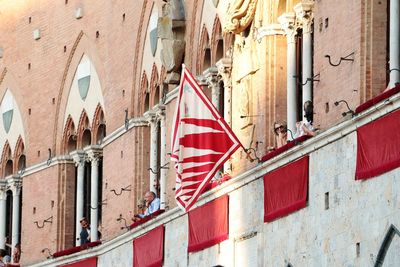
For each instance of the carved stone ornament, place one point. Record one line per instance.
(240, 15)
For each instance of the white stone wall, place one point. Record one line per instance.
(121, 256)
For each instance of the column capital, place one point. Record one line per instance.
(93, 154)
(3, 190)
(15, 184)
(78, 156)
(288, 23)
(201, 80)
(159, 111)
(304, 14)
(211, 76)
(150, 116)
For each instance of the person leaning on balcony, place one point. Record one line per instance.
(280, 131)
(152, 205)
(17, 253)
(85, 232)
(305, 127)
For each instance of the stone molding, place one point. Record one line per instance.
(240, 16)
(305, 15)
(288, 22)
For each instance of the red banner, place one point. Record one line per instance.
(148, 250)
(208, 224)
(285, 189)
(378, 146)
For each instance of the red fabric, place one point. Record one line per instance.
(218, 182)
(146, 219)
(285, 189)
(286, 147)
(378, 99)
(75, 249)
(201, 141)
(378, 146)
(208, 224)
(90, 262)
(148, 250)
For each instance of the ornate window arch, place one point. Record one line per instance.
(99, 125)
(19, 155)
(154, 87)
(145, 100)
(6, 161)
(204, 53)
(69, 142)
(84, 131)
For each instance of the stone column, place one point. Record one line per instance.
(394, 50)
(163, 157)
(211, 76)
(94, 154)
(152, 119)
(304, 14)
(224, 67)
(287, 21)
(79, 159)
(3, 199)
(15, 186)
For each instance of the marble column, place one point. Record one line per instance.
(15, 184)
(287, 21)
(394, 47)
(94, 154)
(79, 159)
(3, 200)
(211, 76)
(224, 67)
(163, 157)
(152, 119)
(304, 14)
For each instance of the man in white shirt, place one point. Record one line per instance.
(152, 205)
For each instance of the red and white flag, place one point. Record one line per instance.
(201, 141)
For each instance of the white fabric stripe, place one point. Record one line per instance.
(187, 152)
(194, 129)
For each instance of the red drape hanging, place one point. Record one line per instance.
(90, 262)
(378, 146)
(148, 250)
(208, 224)
(285, 189)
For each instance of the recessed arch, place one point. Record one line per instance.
(69, 142)
(19, 155)
(145, 99)
(204, 54)
(84, 132)
(154, 87)
(99, 126)
(6, 160)
(217, 42)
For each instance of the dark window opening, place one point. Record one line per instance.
(71, 146)
(9, 209)
(86, 138)
(86, 192)
(8, 170)
(299, 75)
(146, 102)
(207, 58)
(101, 133)
(220, 50)
(157, 96)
